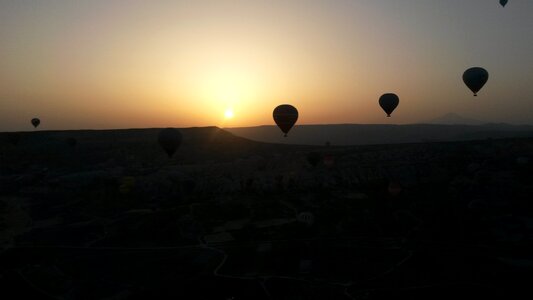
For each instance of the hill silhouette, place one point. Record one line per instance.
(113, 218)
(455, 119)
(124, 146)
(369, 134)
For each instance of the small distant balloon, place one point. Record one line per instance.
(35, 122)
(285, 116)
(389, 102)
(169, 139)
(475, 78)
(503, 3)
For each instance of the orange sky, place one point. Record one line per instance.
(123, 64)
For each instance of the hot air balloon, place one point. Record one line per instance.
(503, 2)
(475, 78)
(285, 116)
(389, 102)
(35, 122)
(169, 139)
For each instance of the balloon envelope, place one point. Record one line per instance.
(475, 78)
(35, 122)
(169, 139)
(285, 116)
(389, 102)
(503, 2)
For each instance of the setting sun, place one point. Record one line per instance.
(228, 114)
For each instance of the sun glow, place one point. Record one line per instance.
(228, 114)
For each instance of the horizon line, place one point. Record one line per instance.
(267, 125)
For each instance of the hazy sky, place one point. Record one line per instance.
(122, 64)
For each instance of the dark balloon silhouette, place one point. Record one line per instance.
(389, 102)
(475, 78)
(72, 142)
(285, 116)
(313, 158)
(503, 3)
(35, 122)
(169, 139)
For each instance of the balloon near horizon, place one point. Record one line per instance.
(169, 139)
(389, 102)
(35, 122)
(475, 78)
(285, 116)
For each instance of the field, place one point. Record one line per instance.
(112, 217)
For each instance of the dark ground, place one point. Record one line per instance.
(111, 217)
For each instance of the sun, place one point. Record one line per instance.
(228, 114)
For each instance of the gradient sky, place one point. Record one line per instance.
(124, 64)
